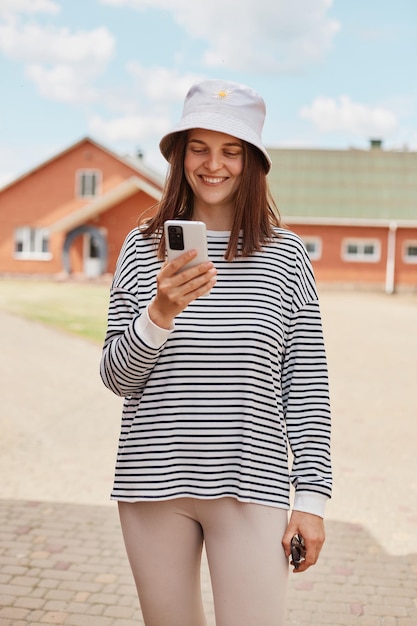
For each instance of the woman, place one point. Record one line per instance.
(215, 386)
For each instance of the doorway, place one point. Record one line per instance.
(92, 257)
(94, 250)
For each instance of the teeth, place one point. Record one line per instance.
(212, 180)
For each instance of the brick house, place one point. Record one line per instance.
(72, 212)
(355, 209)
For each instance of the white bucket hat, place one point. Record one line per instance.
(225, 107)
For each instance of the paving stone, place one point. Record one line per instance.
(358, 593)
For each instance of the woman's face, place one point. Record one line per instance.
(213, 167)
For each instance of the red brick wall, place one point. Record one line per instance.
(120, 220)
(405, 273)
(331, 267)
(48, 194)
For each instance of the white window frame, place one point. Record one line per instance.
(31, 241)
(361, 256)
(89, 174)
(317, 244)
(409, 258)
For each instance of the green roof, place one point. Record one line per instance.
(357, 184)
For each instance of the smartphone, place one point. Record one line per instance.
(183, 235)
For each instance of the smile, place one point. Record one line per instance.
(213, 181)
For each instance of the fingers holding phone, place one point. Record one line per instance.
(182, 236)
(176, 288)
(187, 275)
(184, 276)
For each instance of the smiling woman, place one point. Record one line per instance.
(216, 386)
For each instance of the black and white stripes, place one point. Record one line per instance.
(209, 405)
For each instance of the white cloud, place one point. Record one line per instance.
(161, 84)
(61, 63)
(34, 43)
(330, 115)
(9, 7)
(131, 128)
(144, 114)
(264, 37)
(62, 82)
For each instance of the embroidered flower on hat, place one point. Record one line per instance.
(223, 94)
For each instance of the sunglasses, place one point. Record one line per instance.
(298, 551)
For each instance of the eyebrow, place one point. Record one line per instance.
(236, 144)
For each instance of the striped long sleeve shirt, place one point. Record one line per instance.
(211, 405)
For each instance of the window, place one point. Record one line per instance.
(31, 243)
(410, 252)
(313, 246)
(88, 182)
(361, 250)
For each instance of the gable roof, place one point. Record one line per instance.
(134, 163)
(344, 184)
(123, 191)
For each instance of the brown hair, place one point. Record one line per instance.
(256, 212)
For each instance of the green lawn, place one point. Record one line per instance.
(80, 309)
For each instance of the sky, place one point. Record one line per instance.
(333, 73)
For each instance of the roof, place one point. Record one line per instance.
(132, 162)
(345, 184)
(123, 191)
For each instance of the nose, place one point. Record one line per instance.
(213, 161)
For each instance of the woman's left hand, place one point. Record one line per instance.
(311, 528)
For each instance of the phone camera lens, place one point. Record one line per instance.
(176, 239)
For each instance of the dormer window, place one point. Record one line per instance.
(88, 183)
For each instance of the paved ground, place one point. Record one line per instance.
(61, 555)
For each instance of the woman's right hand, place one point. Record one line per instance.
(176, 289)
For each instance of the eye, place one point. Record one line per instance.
(232, 154)
(197, 149)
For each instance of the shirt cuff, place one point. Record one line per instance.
(150, 333)
(309, 502)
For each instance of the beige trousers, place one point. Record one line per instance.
(248, 567)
